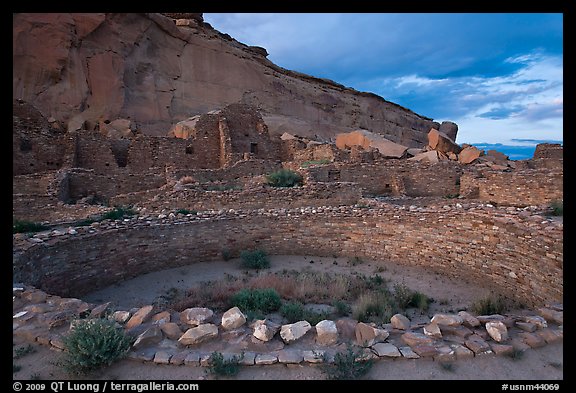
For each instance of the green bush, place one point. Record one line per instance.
(373, 307)
(186, 212)
(217, 365)
(117, 213)
(257, 301)
(342, 308)
(347, 365)
(557, 208)
(489, 305)
(292, 311)
(256, 259)
(284, 178)
(92, 344)
(405, 298)
(420, 301)
(22, 226)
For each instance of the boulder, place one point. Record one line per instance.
(161, 317)
(367, 335)
(551, 315)
(408, 353)
(346, 328)
(400, 322)
(450, 129)
(441, 142)
(140, 316)
(501, 349)
(414, 151)
(121, 316)
(98, 311)
(116, 129)
(491, 318)
(432, 330)
(293, 331)
(468, 319)
(264, 330)
(459, 331)
(497, 330)
(233, 319)
(477, 344)
(386, 350)
(196, 316)
(150, 336)
(535, 320)
(185, 128)
(199, 334)
(447, 319)
(429, 156)
(326, 332)
(367, 139)
(413, 339)
(287, 137)
(526, 326)
(469, 154)
(171, 330)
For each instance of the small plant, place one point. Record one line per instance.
(451, 196)
(92, 344)
(256, 259)
(347, 365)
(307, 164)
(186, 212)
(226, 254)
(284, 178)
(447, 366)
(118, 213)
(489, 305)
(355, 261)
(402, 295)
(257, 301)
(373, 307)
(516, 354)
(16, 368)
(22, 226)
(217, 365)
(556, 365)
(342, 308)
(557, 208)
(292, 311)
(35, 377)
(420, 301)
(23, 351)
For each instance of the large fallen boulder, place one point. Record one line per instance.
(367, 139)
(441, 142)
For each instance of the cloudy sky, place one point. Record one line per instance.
(498, 76)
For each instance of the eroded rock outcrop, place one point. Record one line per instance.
(157, 70)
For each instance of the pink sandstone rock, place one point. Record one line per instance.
(441, 142)
(469, 154)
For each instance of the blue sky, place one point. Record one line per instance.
(498, 76)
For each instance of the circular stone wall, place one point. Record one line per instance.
(518, 256)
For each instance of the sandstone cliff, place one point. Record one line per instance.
(156, 70)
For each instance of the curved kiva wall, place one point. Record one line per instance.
(518, 256)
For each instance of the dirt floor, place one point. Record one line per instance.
(450, 295)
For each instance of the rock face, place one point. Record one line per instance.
(367, 139)
(157, 70)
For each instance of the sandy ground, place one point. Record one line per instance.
(541, 364)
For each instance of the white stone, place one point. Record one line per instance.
(326, 332)
(196, 315)
(447, 319)
(294, 331)
(264, 330)
(233, 318)
(199, 334)
(432, 330)
(497, 330)
(400, 322)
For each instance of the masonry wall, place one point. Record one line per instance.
(395, 177)
(335, 194)
(468, 246)
(519, 188)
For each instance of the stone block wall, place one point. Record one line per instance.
(519, 188)
(395, 177)
(517, 256)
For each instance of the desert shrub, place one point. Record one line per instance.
(557, 208)
(256, 259)
(284, 178)
(342, 308)
(227, 254)
(420, 301)
(254, 302)
(23, 351)
(217, 365)
(373, 307)
(489, 305)
(295, 311)
(355, 261)
(186, 211)
(405, 298)
(92, 344)
(307, 164)
(117, 213)
(348, 366)
(292, 311)
(22, 226)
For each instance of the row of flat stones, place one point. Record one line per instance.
(446, 338)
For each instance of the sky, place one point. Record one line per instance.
(498, 76)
